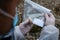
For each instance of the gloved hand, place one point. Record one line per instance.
(50, 19)
(25, 26)
(49, 32)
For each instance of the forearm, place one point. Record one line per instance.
(18, 34)
(49, 32)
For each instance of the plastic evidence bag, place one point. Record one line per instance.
(35, 12)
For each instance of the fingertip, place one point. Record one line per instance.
(30, 19)
(46, 15)
(51, 15)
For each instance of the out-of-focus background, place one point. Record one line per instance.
(54, 5)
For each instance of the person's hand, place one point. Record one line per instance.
(25, 26)
(50, 19)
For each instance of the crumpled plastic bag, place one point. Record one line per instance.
(35, 12)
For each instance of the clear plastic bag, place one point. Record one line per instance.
(35, 12)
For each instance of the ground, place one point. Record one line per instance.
(54, 5)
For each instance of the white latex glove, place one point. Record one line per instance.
(25, 26)
(50, 19)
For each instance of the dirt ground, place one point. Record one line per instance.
(54, 5)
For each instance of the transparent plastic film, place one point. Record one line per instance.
(35, 12)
